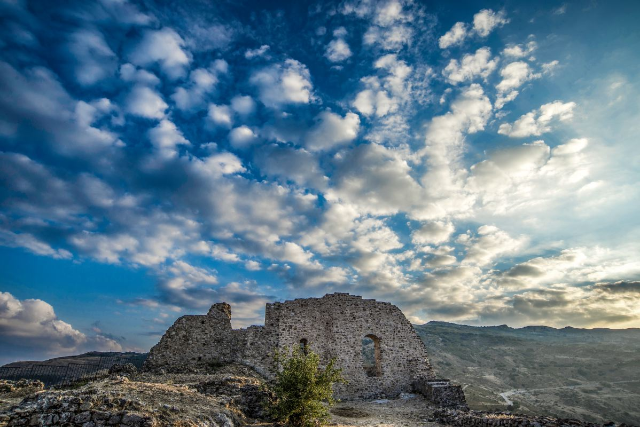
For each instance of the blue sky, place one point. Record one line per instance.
(475, 162)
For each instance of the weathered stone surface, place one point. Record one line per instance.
(127, 369)
(441, 392)
(82, 417)
(332, 326)
(133, 420)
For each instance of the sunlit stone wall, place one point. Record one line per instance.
(332, 326)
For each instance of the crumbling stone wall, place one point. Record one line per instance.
(197, 341)
(332, 326)
(335, 325)
(442, 393)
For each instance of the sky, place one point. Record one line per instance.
(473, 162)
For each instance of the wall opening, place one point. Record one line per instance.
(304, 347)
(371, 360)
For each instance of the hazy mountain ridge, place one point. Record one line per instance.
(90, 357)
(591, 374)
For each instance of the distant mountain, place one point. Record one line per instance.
(92, 357)
(590, 374)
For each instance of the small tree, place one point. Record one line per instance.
(301, 387)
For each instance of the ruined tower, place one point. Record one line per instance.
(333, 326)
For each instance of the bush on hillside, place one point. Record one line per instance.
(302, 391)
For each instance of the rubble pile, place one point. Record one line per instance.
(116, 401)
(23, 386)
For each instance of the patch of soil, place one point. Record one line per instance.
(349, 412)
(406, 411)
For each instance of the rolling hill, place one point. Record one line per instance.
(590, 374)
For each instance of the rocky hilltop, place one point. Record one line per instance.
(225, 396)
(228, 396)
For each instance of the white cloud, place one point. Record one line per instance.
(30, 327)
(221, 253)
(252, 265)
(293, 252)
(282, 84)
(332, 130)
(538, 121)
(32, 244)
(125, 12)
(145, 102)
(485, 21)
(513, 75)
(479, 64)
(202, 81)
(147, 241)
(256, 53)
(219, 164)
(573, 265)
(290, 164)
(191, 273)
(87, 114)
(469, 113)
(375, 179)
(129, 73)
(443, 181)
(549, 67)
(395, 85)
(391, 38)
(390, 22)
(220, 115)
(435, 232)
(164, 47)
(242, 137)
(388, 13)
(340, 32)
(509, 166)
(35, 96)
(95, 59)
(455, 36)
(337, 50)
(490, 243)
(560, 10)
(365, 102)
(531, 181)
(243, 104)
(166, 137)
(520, 50)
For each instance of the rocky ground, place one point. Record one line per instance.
(228, 396)
(12, 392)
(140, 400)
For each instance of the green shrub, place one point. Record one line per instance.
(302, 391)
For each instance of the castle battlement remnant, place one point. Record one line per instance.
(332, 326)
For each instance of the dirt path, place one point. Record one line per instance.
(407, 411)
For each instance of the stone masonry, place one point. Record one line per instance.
(331, 326)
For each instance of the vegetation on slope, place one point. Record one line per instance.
(592, 375)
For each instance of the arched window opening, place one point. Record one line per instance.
(304, 345)
(371, 361)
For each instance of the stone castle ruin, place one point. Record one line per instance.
(333, 326)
